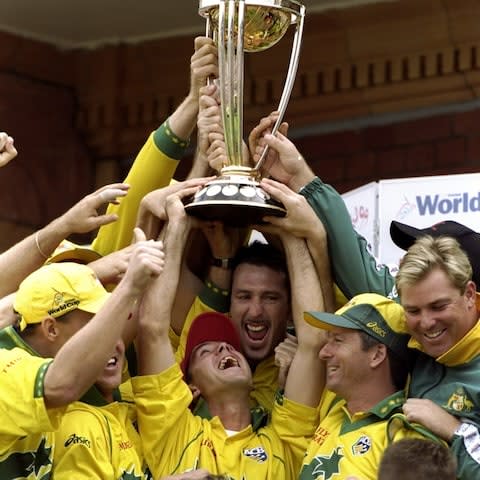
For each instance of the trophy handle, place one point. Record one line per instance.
(290, 80)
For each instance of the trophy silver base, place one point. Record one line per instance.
(234, 200)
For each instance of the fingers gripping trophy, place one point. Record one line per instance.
(237, 26)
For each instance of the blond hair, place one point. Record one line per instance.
(428, 254)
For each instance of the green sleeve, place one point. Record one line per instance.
(153, 168)
(355, 269)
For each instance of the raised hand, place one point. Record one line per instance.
(7, 150)
(431, 416)
(203, 64)
(146, 263)
(84, 217)
(300, 218)
(257, 144)
(284, 353)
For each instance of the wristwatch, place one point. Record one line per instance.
(225, 263)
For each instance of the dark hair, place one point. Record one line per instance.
(399, 369)
(262, 255)
(417, 458)
(31, 327)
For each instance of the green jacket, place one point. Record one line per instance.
(451, 381)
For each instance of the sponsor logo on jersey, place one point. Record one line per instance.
(459, 401)
(125, 445)
(320, 435)
(74, 439)
(323, 467)
(257, 453)
(362, 445)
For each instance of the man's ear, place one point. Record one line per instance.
(195, 391)
(50, 329)
(471, 294)
(378, 354)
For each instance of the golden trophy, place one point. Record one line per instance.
(237, 26)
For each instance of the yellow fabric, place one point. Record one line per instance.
(151, 170)
(345, 445)
(56, 289)
(340, 298)
(265, 384)
(176, 441)
(98, 442)
(26, 441)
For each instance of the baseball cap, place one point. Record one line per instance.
(209, 327)
(404, 236)
(56, 289)
(378, 316)
(69, 251)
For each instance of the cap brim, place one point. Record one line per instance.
(327, 321)
(84, 255)
(404, 236)
(94, 306)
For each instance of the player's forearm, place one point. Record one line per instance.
(29, 254)
(318, 248)
(79, 362)
(305, 286)
(182, 122)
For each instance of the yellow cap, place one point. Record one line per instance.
(69, 251)
(56, 289)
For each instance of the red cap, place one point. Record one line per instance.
(209, 327)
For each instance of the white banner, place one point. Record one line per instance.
(424, 201)
(362, 205)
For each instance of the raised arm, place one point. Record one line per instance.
(154, 351)
(302, 222)
(81, 359)
(158, 159)
(306, 377)
(355, 269)
(29, 254)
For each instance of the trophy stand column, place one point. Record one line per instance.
(235, 197)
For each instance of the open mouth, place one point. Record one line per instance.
(256, 332)
(112, 362)
(228, 362)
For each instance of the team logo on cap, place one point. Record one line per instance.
(257, 453)
(377, 329)
(362, 445)
(60, 304)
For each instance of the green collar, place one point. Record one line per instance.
(95, 398)
(389, 405)
(9, 339)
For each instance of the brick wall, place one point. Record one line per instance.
(438, 145)
(53, 169)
